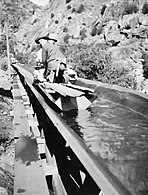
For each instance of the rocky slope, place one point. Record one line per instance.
(121, 25)
(6, 147)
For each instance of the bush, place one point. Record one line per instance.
(145, 65)
(73, 10)
(91, 62)
(103, 9)
(65, 29)
(83, 34)
(67, 1)
(68, 7)
(52, 15)
(56, 21)
(130, 8)
(69, 18)
(66, 37)
(4, 63)
(100, 30)
(22, 58)
(94, 31)
(80, 9)
(145, 8)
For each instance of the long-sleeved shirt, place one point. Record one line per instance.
(51, 54)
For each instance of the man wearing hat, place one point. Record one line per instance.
(53, 60)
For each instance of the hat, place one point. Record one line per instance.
(52, 37)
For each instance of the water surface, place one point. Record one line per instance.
(120, 136)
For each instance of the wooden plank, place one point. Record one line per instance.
(84, 89)
(64, 91)
(35, 131)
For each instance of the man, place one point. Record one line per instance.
(53, 60)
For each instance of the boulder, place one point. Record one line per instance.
(3, 191)
(118, 53)
(143, 20)
(129, 20)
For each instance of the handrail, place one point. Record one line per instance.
(105, 180)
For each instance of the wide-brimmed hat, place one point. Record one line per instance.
(37, 40)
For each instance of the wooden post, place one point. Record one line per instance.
(8, 50)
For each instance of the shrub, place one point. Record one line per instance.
(91, 62)
(130, 8)
(68, 7)
(66, 37)
(100, 30)
(103, 9)
(80, 9)
(56, 21)
(69, 18)
(83, 34)
(67, 1)
(127, 27)
(4, 63)
(94, 31)
(22, 58)
(65, 29)
(52, 15)
(73, 10)
(145, 8)
(145, 65)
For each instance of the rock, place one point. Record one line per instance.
(4, 113)
(2, 148)
(129, 20)
(143, 19)
(145, 86)
(3, 191)
(112, 32)
(118, 53)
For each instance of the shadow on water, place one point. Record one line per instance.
(119, 136)
(70, 118)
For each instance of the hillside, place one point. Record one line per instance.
(15, 13)
(102, 40)
(112, 34)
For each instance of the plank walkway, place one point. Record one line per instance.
(30, 169)
(29, 172)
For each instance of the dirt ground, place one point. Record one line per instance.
(6, 146)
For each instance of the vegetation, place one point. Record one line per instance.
(3, 63)
(65, 29)
(80, 9)
(66, 37)
(22, 58)
(103, 9)
(94, 31)
(68, 7)
(145, 65)
(56, 21)
(67, 1)
(83, 34)
(130, 8)
(91, 62)
(14, 12)
(145, 8)
(52, 15)
(100, 30)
